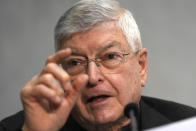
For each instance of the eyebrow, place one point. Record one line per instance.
(77, 52)
(110, 45)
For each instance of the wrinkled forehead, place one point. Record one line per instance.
(100, 36)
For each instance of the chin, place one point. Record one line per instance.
(105, 117)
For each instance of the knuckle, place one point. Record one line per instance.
(38, 88)
(34, 79)
(49, 59)
(47, 77)
(26, 89)
(23, 91)
(52, 94)
(65, 77)
(50, 66)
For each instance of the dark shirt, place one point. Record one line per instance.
(152, 113)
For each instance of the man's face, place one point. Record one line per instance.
(104, 98)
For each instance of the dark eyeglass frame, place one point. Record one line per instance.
(85, 62)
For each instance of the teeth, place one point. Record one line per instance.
(96, 98)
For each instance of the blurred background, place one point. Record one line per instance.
(167, 28)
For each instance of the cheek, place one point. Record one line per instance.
(134, 84)
(80, 112)
(127, 85)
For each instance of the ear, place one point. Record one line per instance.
(143, 63)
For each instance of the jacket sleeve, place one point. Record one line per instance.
(12, 123)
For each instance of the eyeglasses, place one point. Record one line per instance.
(107, 63)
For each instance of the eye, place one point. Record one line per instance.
(73, 63)
(111, 56)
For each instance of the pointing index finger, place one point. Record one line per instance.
(59, 56)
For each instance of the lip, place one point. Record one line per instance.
(97, 96)
(99, 103)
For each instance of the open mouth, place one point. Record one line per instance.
(97, 98)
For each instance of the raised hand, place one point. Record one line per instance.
(50, 96)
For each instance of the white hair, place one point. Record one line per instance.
(85, 14)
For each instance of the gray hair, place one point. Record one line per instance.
(85, 14)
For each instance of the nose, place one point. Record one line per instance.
(94, 74)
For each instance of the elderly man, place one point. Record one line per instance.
(98, 68)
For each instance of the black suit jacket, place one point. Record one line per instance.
(153, 113)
